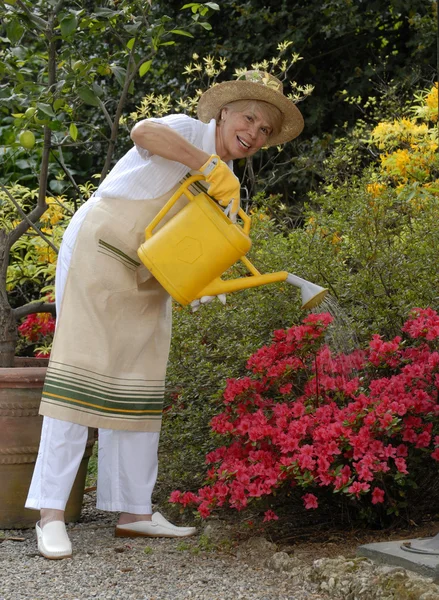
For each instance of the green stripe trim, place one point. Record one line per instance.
(118, 252)
(152, 398)
(95, 383)
(92, 409)
(105, 401)
(69, 369)
(110, 254)
(82, 400)
(92, 392)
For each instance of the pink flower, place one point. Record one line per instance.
(358, 488)
(401, 465)
(203, 509)
(310, 501)
(269, 515)
(175, 496)
(286, 389)
(377, 496)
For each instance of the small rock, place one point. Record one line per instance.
(256, 550)
(216, 531)
(280, 561)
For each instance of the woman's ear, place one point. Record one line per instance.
(223, 113)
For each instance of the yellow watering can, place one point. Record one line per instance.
(190, 252)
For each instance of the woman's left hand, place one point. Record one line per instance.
(195, 305)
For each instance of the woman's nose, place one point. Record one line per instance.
(253, 130)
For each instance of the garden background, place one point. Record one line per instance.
(351, 205)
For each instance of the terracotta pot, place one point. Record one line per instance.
(20, 429)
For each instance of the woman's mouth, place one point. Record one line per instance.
(243, 144)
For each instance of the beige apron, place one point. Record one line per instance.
(110, 351)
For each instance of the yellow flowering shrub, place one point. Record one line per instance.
(409, 153)
(33, 257)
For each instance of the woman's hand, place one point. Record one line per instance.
(195, 304)
(223, 184)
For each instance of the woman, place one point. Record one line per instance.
(110, 351)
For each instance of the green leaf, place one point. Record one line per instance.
(106, 12)
(145, 67)
(130, 43)
(73, 131)
(22, 163)
(97, 89)
(205, 25)
(68, 25)
(212, 5)
(88, 96)
(59, 103)
(14, 31)
(119, 73)
(46, 109)
(132, 28)
(167, 43)
(181, 32)
(56, 186)
(55, 125)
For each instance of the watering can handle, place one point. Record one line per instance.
(184, 190)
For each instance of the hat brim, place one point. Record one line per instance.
(220, 94)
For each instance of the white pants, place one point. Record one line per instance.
(127, 467)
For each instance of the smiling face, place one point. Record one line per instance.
(242, 131)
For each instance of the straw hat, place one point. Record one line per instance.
(253, 85)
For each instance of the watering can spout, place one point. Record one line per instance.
(312, 294)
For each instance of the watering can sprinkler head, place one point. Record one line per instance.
(312, 294)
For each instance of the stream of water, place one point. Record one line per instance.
(341, 336)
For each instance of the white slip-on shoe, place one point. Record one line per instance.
(157, 527)
(53, 541)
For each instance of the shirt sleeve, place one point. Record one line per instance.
(187, 127)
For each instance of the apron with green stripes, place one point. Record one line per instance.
(110, 351)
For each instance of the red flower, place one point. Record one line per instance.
(377, 496)
(310, 501)
(269, 515)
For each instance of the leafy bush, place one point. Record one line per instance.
(360, 424)
(372, 237)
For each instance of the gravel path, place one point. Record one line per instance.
(107, 568)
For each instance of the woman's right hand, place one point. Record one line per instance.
(223, 184)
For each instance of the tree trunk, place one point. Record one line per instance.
(8, 325)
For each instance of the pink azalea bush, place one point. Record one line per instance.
(354, 424)
(37, 328)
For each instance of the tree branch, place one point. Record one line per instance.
(115, 122)
(105, 111)
(35, 307)
(28, 221)
(41, 23)
(58, 7)
(60, 161)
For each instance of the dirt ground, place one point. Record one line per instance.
(310, 541)
(322, 542)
